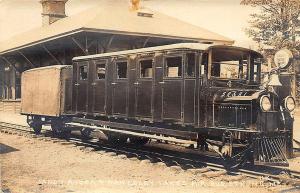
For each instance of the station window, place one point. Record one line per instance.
(100, 71)
(190, 65)
(173, 66)
(18, 85)
(121, 70)
(83, 72)
(146, 67)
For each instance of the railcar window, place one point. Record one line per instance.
(191, 65)
(229, 64)
(173, 66)
(257, 70)
(229, 69)
(83, 72)
(146, 68)
(121, 69)
(100, 70)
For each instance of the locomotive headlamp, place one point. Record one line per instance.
(265, 103)
(289, 103)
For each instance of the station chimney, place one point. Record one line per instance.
(53, 10)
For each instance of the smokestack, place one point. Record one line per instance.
(53, 10)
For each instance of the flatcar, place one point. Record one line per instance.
(210, 95)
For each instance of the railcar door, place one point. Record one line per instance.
(190, 88)
(144, 87)
(81, 85)
(172, 87)
(120, 88)
(97, 89)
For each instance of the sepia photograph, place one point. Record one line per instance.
(149, 96)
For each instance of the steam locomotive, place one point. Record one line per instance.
(208, 95)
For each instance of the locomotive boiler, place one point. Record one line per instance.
(209, 95)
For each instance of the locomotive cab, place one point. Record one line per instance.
(240, 103)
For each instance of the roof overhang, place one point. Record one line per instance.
(103, 31)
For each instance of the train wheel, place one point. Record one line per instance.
(116, 139)
(59, 130)
(139, 140)
(36, 123)
(86, 133)
(37, 128)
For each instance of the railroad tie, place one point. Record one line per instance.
(176, 168)
(66, 143)
(198, 170)
(32, 135)
(289, 181)
(89, 149)
(57, 141)
(80, 147)
(111, 153)
(161, 164)
(213, 174)
(47, 139)
(10, 132)
(233, 178)
(145, 161)
(134, 159)
(122, 156)
(101, 152)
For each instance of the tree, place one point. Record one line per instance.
(275, 24)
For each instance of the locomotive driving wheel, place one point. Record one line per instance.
(86, 133)
(116, 139)
(58, 129)
(138, 140)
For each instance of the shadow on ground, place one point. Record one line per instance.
(6, 149)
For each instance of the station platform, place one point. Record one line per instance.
(13, 118)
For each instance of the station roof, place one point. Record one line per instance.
(114, 17)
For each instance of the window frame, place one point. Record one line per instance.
(174, 55)
(80, 64)
(140, 67)
(247, 66)
(97, 63)
(186, 65)
(116, 68)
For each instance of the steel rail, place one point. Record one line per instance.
(186, 162)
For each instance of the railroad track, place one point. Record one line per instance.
(160, 154)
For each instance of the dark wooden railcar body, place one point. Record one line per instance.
(197, 91)
(210, 94)
(168, 85)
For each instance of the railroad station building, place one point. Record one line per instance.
(112, 26)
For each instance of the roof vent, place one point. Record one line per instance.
(144, 13)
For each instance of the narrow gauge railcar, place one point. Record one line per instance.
(210, 94)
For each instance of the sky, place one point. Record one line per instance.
(226, 17)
